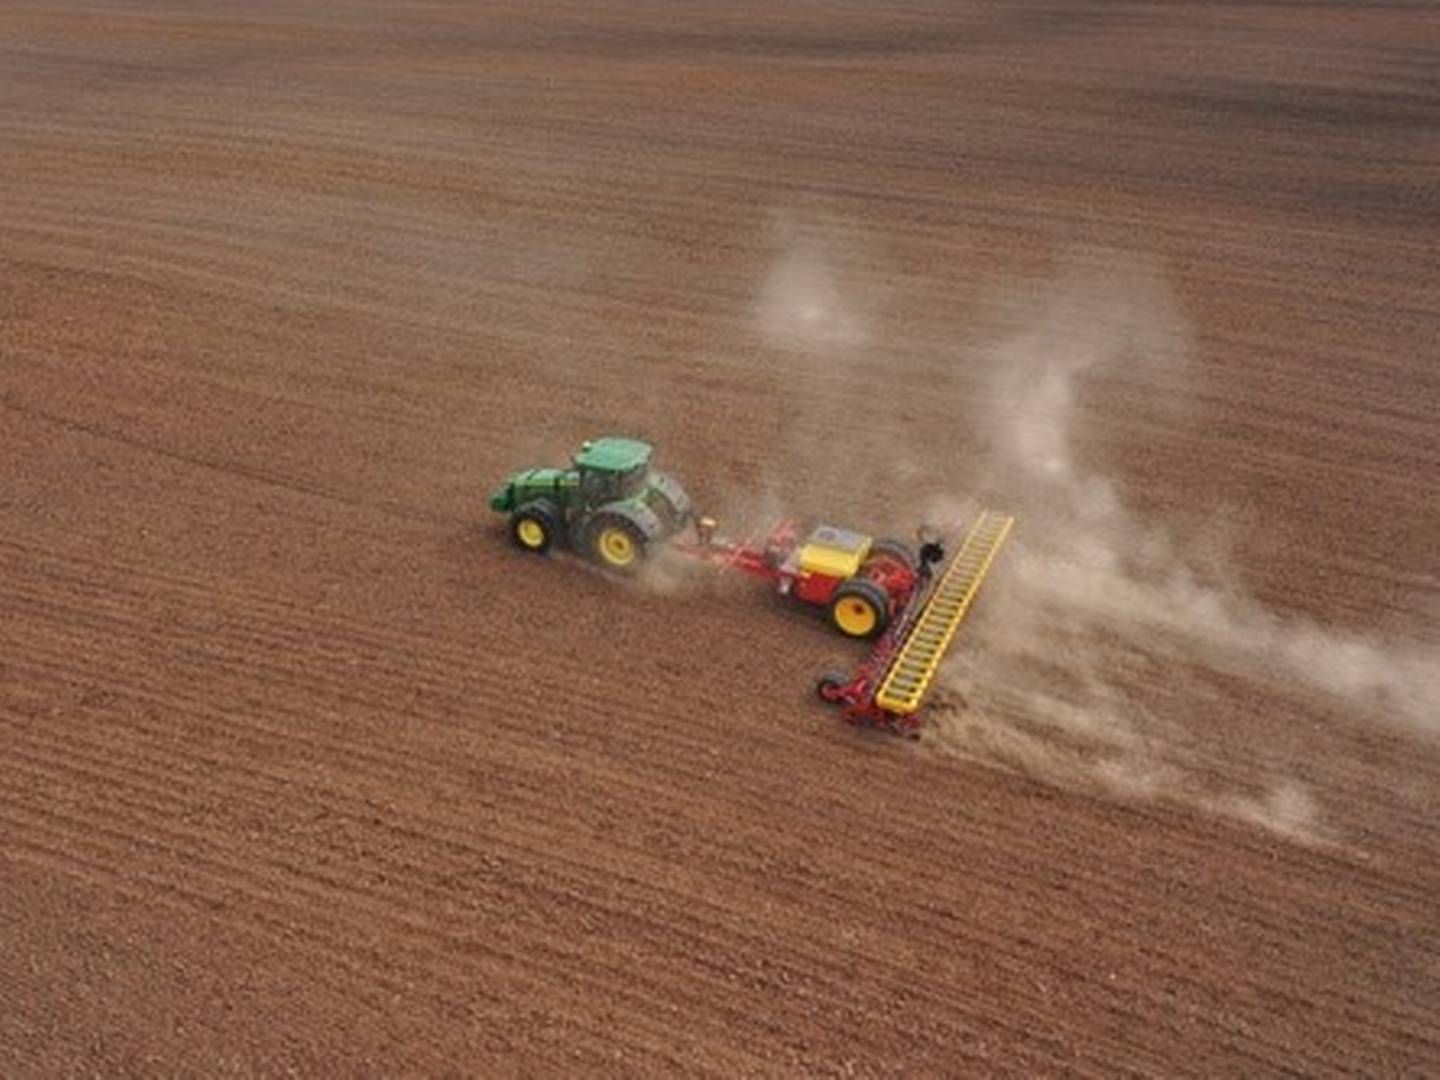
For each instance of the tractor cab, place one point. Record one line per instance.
(612, 470)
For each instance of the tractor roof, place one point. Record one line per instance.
(613, 455)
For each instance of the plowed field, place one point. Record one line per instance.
(305, 768)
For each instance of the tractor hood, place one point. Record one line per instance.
(511, 493)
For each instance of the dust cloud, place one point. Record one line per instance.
(805, 303)
(1117, 651)
(1121, 661)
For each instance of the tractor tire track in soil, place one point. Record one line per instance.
(307, 770)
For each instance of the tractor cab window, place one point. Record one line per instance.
(597, 487)
(629, 484)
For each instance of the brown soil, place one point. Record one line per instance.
(306, 769)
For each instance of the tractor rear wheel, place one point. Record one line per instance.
(535, 525)
(615, 543)
(859, 608)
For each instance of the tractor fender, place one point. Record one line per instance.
(670, 490)
(642, 517)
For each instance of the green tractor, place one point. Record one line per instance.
(609, 504)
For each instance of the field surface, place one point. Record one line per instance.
(304, 769)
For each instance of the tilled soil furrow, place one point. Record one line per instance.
(280, 903)
(287, 724)
(401, 768)
(420, 834)
(424, 834)
(310, 772)
(395, 766)
(76, 851)
(794, 964)
(643, 902)
(234, 650)
(226, 269)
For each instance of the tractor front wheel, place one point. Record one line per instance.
(859, 608)
(616, 544)
(534, 526)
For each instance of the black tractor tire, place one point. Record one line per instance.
(850, 603)
(897, 550)
(615, 542)
(535, 526)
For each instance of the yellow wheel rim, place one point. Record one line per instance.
(616, 547)
(531, 533)
(855, 617)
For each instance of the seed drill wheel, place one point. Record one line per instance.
(534, 526)
(615, 543)
(859, 608)
(829, 684)
(897, 550)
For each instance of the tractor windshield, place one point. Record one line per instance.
(601, 486)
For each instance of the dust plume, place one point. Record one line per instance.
(818, 317)
(805, 302)
(1119, 659)
(1115, 650)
